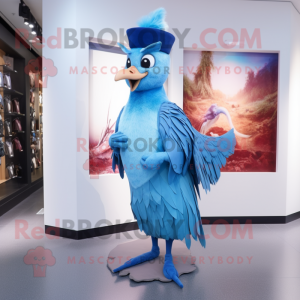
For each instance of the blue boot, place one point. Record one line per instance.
(169, 270)
(141, 258)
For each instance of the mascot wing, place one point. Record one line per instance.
(189, 150)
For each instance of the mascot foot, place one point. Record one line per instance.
(169, 270)
(139, 259)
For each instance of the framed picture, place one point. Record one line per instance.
(224, 90)
(106, 100)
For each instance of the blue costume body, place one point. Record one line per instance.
(164, 157)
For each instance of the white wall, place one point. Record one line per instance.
(293, 165)
(237, 194)
(60, 194)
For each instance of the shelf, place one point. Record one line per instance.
(14, 114)
(10, 91)
(14, 134)
(3, 180)
(7, 69)
(13, 177)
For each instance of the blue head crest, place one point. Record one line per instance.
(147, 64)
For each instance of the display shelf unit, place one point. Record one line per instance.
(17, 91)
(13, 191)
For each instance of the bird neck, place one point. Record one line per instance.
(148, 98)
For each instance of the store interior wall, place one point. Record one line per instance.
(69, 191)
(60, 192)
(293, 165)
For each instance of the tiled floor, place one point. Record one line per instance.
(264, 267)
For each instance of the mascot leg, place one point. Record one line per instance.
(169, 270)
(141, 258)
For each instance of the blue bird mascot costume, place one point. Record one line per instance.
(164, 157)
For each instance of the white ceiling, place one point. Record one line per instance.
(9, 10)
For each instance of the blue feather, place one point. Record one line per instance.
(116, 157)
(155, 19)
(161, 210)
(188, 241)
(155, 195)
(142, 211)
(146, 193)
(152, 205)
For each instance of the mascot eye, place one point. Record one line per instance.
(147, 61)
(128, 63)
